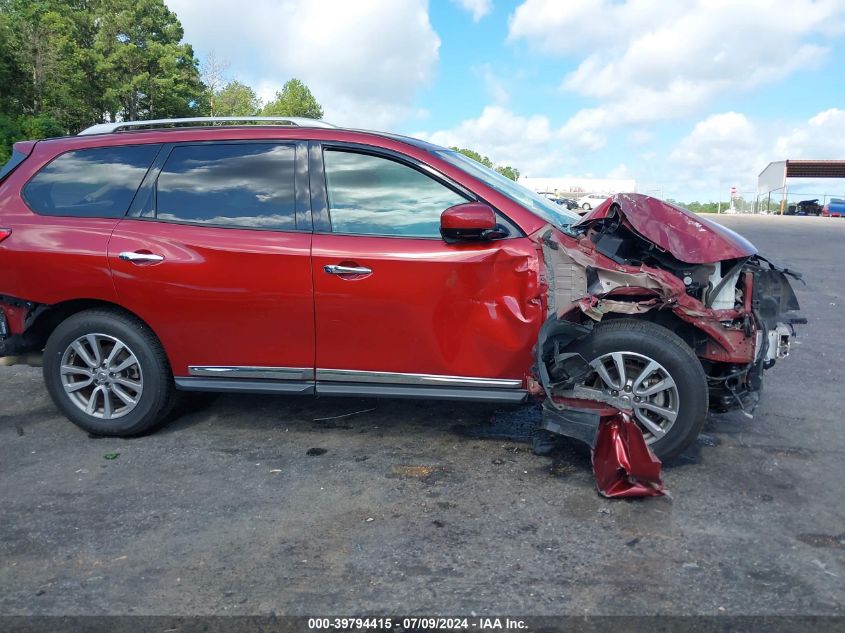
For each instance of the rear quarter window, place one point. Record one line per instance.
(97, 182)
(16, 159)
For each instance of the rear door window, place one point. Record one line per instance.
(98, 182)
(249, 185)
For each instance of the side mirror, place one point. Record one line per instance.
(469, 222)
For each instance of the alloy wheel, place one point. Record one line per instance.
(645, 385)
(102, 376)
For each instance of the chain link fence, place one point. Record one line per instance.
(794, 203)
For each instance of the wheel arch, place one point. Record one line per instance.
(49, 318)
(695, 337)
(691, 335)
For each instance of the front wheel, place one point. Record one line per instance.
(658, 376)
(107, 372)
(586, 206)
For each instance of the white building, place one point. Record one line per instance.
(571, 187)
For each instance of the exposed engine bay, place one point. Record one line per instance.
(636, 256)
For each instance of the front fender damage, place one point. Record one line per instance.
(732, 306)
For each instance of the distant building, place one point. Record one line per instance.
(784, 183)
(580, 186)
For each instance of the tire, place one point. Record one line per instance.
(638, 344)
(586, 206)
(74, 371)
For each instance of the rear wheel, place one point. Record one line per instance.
(657, 375)
(586, 206)
(107, 372)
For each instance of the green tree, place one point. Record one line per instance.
(295, 99)
(213, 72)
(506, 170)
(45, 47)
(148, 72)
(10, 132)
(700, 207)
(12, 75)
(474, 156)
(236, 99)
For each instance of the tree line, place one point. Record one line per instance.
(506, 170)
(68, 64)
(701, 207)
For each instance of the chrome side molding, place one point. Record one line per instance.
(260, 373)
(424, 392)
(386, 377)
(350, 376)
(229, 385)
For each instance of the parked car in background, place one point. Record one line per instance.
(591, 201)
(834, 208)
(805, 207)
(569, 203)
(142, 259)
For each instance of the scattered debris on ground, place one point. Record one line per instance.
(418, 472)
(329, 421)
(623, 464)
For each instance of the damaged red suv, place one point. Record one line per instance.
(147, 258)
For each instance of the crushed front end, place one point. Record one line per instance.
(638, 257)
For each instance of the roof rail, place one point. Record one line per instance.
(108, 128)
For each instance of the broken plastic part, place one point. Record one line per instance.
(580, 424)
(623, 464)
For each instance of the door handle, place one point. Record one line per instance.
(140, 258)
(334, 269)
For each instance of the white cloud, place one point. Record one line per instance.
(728, 148)
(620, 172)
(640, 137)
(719, 151)
(721, 147)
(494, 85)
(821, 137)
(478, 8)
(527, 143)
(364, 61)
(649, 60)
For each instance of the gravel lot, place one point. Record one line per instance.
(224, 511)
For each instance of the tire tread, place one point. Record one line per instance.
(165, 394)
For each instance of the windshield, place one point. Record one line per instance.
(549, 211)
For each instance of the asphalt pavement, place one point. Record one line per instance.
(259, 504)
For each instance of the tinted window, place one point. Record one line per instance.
(537, 204)
(249, 185)
(378, 196)
(16, 159)
(98, 182)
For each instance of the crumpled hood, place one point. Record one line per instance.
(686, 235)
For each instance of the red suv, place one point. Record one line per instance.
(152, 257)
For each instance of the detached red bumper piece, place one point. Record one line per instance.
(623, 464)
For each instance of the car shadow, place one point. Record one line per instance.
(260, 411)
(398, 417)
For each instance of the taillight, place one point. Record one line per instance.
(4, 233)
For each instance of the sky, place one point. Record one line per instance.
(688, 97)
